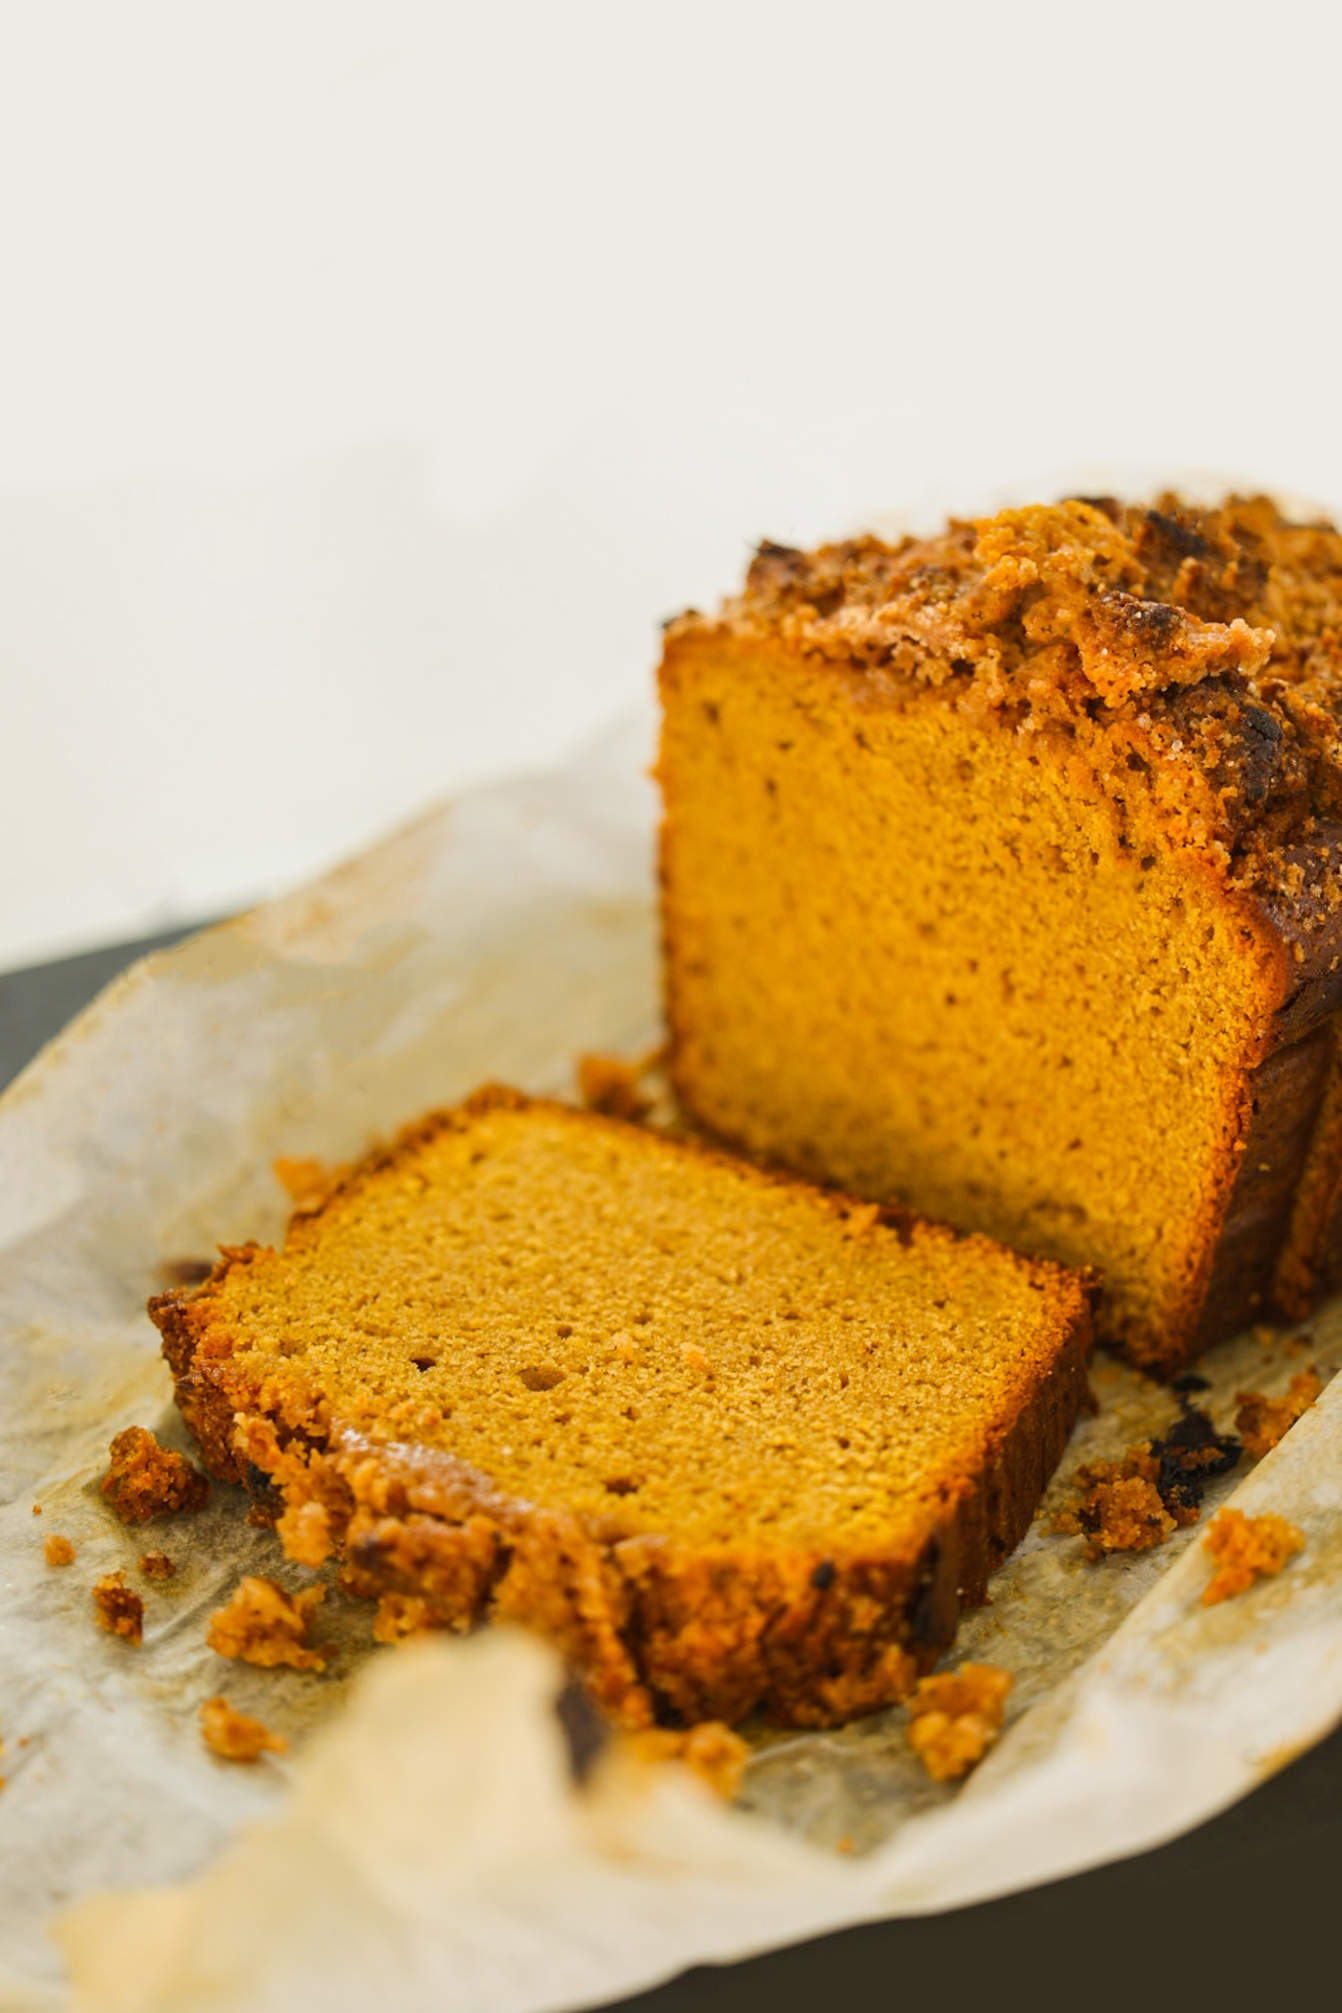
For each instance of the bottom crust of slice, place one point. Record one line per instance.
(657, 1630)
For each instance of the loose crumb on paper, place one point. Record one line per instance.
(1135, 1503)
(58, 1550)
(711, 1750)
(956, 1716)
(120, 1611)
(236, 1736)
(1119, 1507)
(146, 1480)
(1263, 1422)
(264, 1625)
(1247, 1549)
(157, 1566)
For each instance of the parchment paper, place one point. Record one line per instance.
(425, 1846)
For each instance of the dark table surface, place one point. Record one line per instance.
(1238, 1913)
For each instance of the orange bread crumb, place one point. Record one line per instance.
(264, 1625)
(610, 1084)
(120, 1611)
(305, 1182)
(714, 1753)
(1119, 1510)
(1247, 1549)
(235, 1736)
(59, 1551)
(955, 1717)
(1134, 1503)
(157, 1566)
(146, 1480)
(1262, 1422)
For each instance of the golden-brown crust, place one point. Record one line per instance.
(657, 1628)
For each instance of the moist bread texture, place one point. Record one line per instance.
(1002, 877)
(732, 1442)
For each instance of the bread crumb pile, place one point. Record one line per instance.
(1119, 1509)
(1136, 1502)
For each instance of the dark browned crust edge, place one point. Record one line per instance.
(655, 1629)
(1269, 1257)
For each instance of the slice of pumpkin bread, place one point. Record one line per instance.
(1003, 878)
(729, 1440)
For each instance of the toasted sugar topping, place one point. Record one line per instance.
(1195, 652)
(579, 1311)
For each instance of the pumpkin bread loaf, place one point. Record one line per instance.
(1003, 878)
(731, 1441)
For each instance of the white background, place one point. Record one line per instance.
(374, 376)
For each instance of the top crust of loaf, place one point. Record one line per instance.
(1191, 656)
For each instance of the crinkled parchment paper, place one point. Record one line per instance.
(422, 1845)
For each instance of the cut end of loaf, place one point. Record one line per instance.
(732, 1441)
